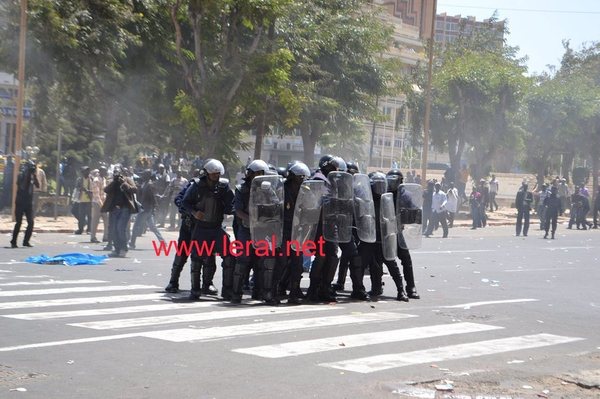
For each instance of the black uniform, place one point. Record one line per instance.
(323, 266)
(24, 203)
(290, 263)
(553, 208)
(404, 253)
(214, 199)
(523, 203)
(372, 257)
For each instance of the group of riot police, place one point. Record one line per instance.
(370, 220)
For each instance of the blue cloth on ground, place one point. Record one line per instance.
(71, 259)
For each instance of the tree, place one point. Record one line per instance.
(217, 46)
(338, 69)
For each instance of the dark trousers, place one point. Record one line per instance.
(84, 216)
(551, 219)
(23, 208)
(493, 202)
(435, 219)
(119, 220)
(523, 221)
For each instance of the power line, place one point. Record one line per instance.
(522, 9)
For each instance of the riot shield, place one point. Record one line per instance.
(409, 215)
(266, 210)
(389, 229)
(307, 213)
(338, 208)
(364, 209)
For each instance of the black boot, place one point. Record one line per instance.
(316, 277)
(295, 272)
(239, 276)
(357, 272)
(228, 266)
(196, 268)
(409, 277)
(210, 268)
(270, 282)
(173, 286)
(397, 277)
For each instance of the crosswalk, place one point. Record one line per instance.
(130, 311)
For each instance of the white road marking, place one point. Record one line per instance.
(213, 333)
(539, 270)
(37, 276)
(191, 317)
(564, 248)
(452, 352)
(105, 311)
(357, 340)
(474, 304)
(6, 271)
(75, 289)
(80, 301)
(458, 251)
(66, 342)
(52, 282)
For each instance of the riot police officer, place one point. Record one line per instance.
(208, 200)
(350, 252)
(246, 261)
(291, 262)
(395, 179)
(372, 254)
(321, 274)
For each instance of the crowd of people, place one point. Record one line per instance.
(151, 193)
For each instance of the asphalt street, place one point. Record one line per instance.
(499, 316)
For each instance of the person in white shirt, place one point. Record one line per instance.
(451, 203)
(42, 189)
(98, 196)
(494, 188)
(438, 211)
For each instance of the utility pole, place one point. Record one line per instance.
(428, 98)
(20, 101)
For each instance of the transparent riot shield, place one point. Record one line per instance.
(364, 209)
(266, 211)
(338, 208)
(307, 213)
(409, 215)
(389, 228)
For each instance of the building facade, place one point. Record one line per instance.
(448, 28)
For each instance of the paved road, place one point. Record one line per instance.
(499, 315)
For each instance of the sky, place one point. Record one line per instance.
(537, 27)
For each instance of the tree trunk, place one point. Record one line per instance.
(111, 138)
(260, 133)
(309, 142)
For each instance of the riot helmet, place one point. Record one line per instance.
(281, 171)
(341, 164)
(378, 183)
(299, 169)
(352, 168)
(327, 164)
(214, 166)
(394, 179)
(257, 166)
